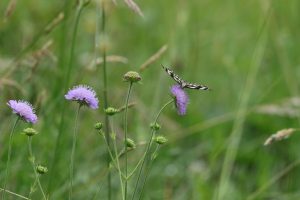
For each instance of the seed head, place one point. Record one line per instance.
(132, 77)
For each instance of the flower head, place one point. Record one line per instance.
(84, 95)
(181, 99)
(132, 77)
(23, 109)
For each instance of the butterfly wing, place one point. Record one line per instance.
(195, 86)
(182, 83)
(173, 75)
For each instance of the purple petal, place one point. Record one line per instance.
(84, 95)
(24, 110)
(181, 99)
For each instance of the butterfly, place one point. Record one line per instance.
(182, 83)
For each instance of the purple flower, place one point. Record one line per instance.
(84, 95)
(181, 99)
(23, 109)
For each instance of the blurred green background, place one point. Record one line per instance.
(246, 51)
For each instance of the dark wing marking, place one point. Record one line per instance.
(182, 83)
(196, 86)
(173, 75)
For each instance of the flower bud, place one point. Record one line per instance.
(155, 126)
(98, 126)
(29, 132)
(111, 111)
(41, 169)
(160, 140)
(132, 77)
(130, 143)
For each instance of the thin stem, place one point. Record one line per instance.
(148, 146)
(8, 158)
(125, 136)
(111, 155)
(73, 42)
(117, 160)
(32, 188)
(65, 80)
(148, 170)
(73, 151)
(32, 160)
(15, 194)
(104, 78)
(136, 167)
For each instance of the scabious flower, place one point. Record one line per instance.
(84, 95)
(181, 99)
(24, 110)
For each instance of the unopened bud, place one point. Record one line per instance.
(41, 169)
(130, 143)
(132, 77)
(155, 126)
(98, 126)
(29, 132)
(160, 140)
(111, 111)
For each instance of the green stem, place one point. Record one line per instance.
(104, 78)
(136, 167)
(32, 160)
(15, 194)
(73, 42)
(117, 160)
(125, 136)
(148, 171)
(73, 151)
(8, 158)
(32, 188)
(66, 79)
(148, 146)
(115, 163)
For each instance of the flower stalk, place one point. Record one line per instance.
(125, 136)
(73, 152)
(149, 146)
(32, 161)
(8, 157)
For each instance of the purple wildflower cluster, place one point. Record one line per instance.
(84, 95)
(24, 110)
(181, 99)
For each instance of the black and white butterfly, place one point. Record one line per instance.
(182, 83)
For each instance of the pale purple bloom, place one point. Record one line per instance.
(181, 99)
(23, 109)
(84, 95)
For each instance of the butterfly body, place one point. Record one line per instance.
(183, 84)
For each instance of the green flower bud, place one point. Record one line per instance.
(29, 132)
(98, 126)
(160, 140)
(41, 169)
(132, 77)
(130, 143)
(155, 126)
(111, 111)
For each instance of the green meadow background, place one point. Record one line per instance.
(246, 51)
